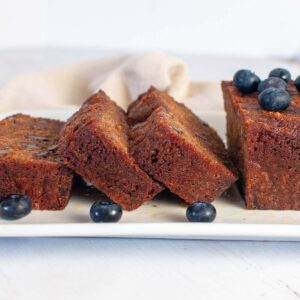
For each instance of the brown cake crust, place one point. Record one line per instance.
(94, 143)
(29, 163)
(177, 149)
(266, 148)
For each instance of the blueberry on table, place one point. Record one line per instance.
(297, 83)
(105, 211)
(273, 99)
(201, 212)
(275, 82)
(15, 206)
(281, 73)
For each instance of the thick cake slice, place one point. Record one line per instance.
(266, 148)
(177, 149)
(94, 143)
(29, 163)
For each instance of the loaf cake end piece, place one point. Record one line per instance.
(266, 148)
(29, 163)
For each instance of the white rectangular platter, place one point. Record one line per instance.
(163, 217)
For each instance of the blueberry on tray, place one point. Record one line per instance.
(201, 212)
(105, 211)
(15, 206)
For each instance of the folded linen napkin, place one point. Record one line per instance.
(123, 78)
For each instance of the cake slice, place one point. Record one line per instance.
(266, 148)
(29, 163)
(94, 143)
(177, 149)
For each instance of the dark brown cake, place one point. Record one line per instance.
(94, 143)
(29, 163)
(177, 149)
(266, 148)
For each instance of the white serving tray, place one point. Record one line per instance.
(163, 217)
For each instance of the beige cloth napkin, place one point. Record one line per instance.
(123, 78)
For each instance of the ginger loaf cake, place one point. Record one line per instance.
(176, 148)
(94, 143)
(29, 163)
(265, 146)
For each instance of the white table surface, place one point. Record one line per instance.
(90, 268)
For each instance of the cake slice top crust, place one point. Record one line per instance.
(104, 118)
(178, 117)
(23, 137)
(249, 107)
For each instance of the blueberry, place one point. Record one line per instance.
(15, 206)
(297, 83)
(281, 73)
(274, 99)
(201, 212)
(105, 211)
(272, 82)
(246, 81)
(90, 190)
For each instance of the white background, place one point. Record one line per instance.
(256, 27)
